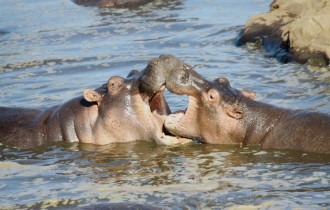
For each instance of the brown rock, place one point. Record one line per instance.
(292, 30)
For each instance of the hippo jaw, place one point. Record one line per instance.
(159, 111)
(122, 112)
(183, 122)
(214, 114)
(200, 120)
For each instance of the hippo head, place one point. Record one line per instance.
(170, 72)
(125, 112)
(213, 112)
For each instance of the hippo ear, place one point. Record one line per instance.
(249, 94)
(234, 111)
(131, 73)
(92, 96)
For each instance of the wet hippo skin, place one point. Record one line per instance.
(169, 71)
(118, 111)
(220, 114)
(112, 3)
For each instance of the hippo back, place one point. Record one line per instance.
(19, 123)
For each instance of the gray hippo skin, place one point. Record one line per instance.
(118, 111)
(112, 3)
(169, 71)
(220, 114)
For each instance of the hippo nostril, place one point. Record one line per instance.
(183, 78)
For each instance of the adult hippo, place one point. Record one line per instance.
(112, 3)
(220, 114)
(118, 111)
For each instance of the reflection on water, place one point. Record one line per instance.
(195, 176)
(52, 50)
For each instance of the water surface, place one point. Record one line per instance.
(51, 50)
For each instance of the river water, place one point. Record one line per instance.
(51, 50)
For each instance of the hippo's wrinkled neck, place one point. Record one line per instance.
(259, 120)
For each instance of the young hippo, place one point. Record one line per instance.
(118, 111)
(220, 114)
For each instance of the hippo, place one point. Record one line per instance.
(112, 3)
(117, 111)
(220, 114)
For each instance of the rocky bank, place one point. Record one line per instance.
(296, 30)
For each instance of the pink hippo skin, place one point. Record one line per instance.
(118, 111)
(220, 114)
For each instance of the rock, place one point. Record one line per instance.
(296, 30)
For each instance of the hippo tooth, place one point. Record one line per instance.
(174, 118)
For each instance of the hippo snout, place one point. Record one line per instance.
(177, 76)
(157, 72)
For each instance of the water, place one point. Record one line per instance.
(52, 50)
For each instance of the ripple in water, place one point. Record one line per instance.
(51, 51)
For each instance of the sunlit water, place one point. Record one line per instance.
(51, 50)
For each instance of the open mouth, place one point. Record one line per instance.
(160, 112)
(181, 123)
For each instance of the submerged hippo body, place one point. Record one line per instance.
(112, 3)
(220, 114)
(118, 111)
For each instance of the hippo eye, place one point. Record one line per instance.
(113, 85)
